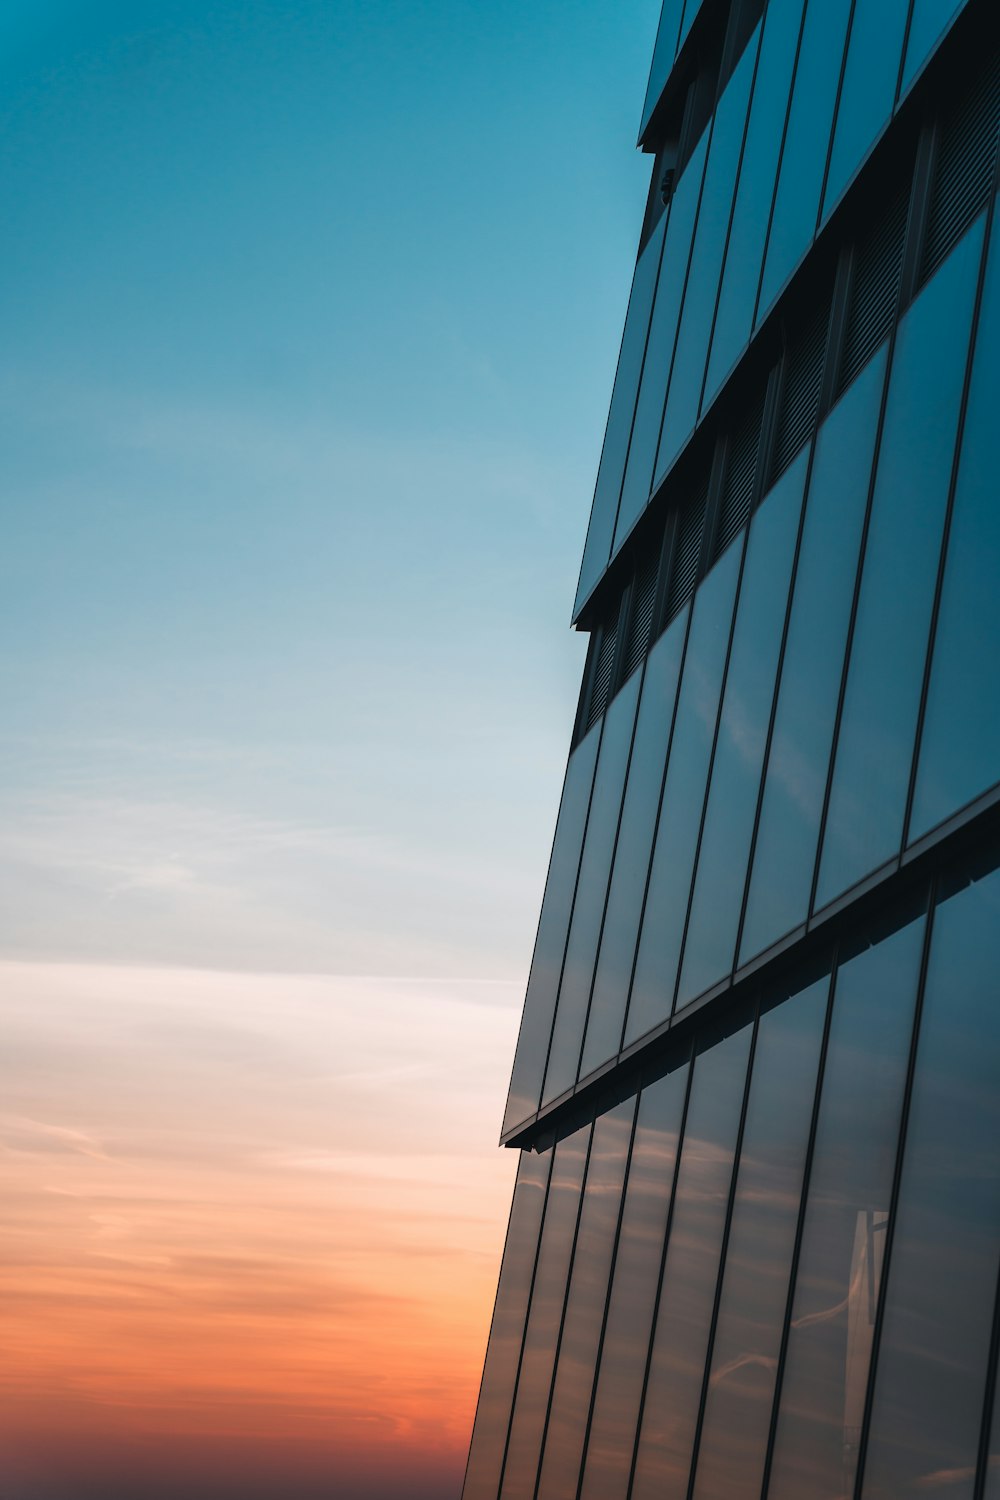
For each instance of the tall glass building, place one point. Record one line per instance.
(755, 1238)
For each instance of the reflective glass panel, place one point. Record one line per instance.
(591, 891)
(500, 1369)
(691, 9)
(662, 334)
(585, 1303)
(759, 1251)
(710, 945)
(604, 512)
(635, 841)
(803, 161)
(553, 924)
(683, 793)
(864, 824)
(795, 779)
(869, 87)
(768, 108)
(706, 259)
(843, 1237)
(633, 1291)
(544, 1316)
(929, 20)
(673, 1390)
(943, 1256)
(960, 747)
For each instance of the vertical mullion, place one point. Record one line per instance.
(524, 1330)
(777, 170)
(800, 1224)
(894, 1195)
(717, 1299)
(989, 1396)
(833, 124)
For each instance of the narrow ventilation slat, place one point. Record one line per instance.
(963, 175)
(641, 612)
(604, 668)
(802, 383)
(687, 552)
(741, 474)
(874, 294)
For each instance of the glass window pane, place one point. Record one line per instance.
(864, 824)
(683, 793)
(929, 20)
(710, 945)
(604, 512)
(635, 842)
(633, 1291)
(482, 1475)
(768, 108)
(960, 747)
(702, 289)
(545, 1315)
(585, 1303)
(759, 1250)
(662, 333)
(591, 891)
(670, 1408)
(869, 87)
(942, 1274)
(843, 1237)
(810, 675)
(803, 160)
(553, 924)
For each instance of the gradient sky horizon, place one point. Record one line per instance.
(311, 312)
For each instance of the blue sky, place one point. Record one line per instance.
(310, 315)
(310, 318)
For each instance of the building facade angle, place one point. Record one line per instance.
(754, 1244)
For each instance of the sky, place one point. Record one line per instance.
(310, 317)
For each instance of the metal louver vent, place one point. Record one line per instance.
(641, 612)
(687, 551)
(741, 472)
(874, 289)
(604, 667)
(800, 390)
(963, 176)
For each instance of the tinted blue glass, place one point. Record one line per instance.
(864, 823)
(662, 333)
(741, 276)
(795, 779)
(960, 748)
(803, 160)
(942, 1273)
(553, 925)
(612, 467)
(843, 1236)
(548, 1294)
(585, 1303)
(759, 1251)
(868, 89)
(691, 9)
(710, 945)
(683, 793)
(633, 1292)
(680, 1341)
(664, 51)
(500, 1369)
(929, 20)
(591, 891)
(635, 842)
(706, 258)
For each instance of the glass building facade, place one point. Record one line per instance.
(754, 1246)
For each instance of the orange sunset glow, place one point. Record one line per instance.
(246, 1245)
